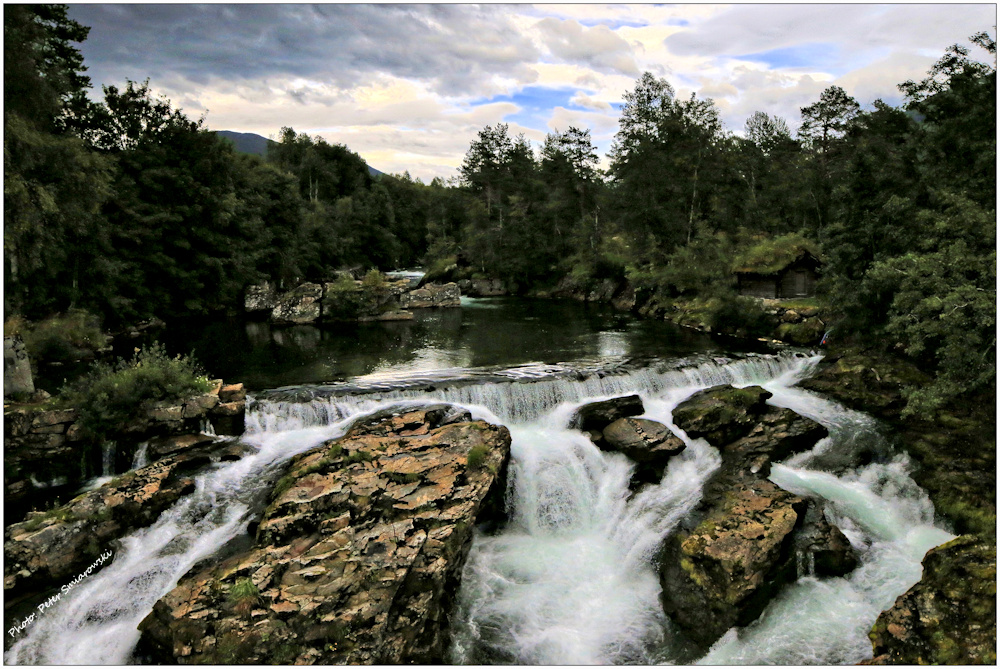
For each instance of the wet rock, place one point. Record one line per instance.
(950, 615)
(598, 415)
(357, 557)
(738, 548)
(724, 571)
(53, 546)
(648, 443)
(298, 306)
(185, 442)
(721, 414)
(821, 549)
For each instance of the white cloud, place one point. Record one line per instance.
(403, 85)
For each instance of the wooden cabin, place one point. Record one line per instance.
(795, 278)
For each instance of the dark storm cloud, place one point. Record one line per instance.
(446, 45)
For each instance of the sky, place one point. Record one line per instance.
(409, 87)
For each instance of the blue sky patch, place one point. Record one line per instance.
(678, 22)
(815, 55)
(536, 103)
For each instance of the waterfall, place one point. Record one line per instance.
(141, 457)
(570, 580)
(108, 458)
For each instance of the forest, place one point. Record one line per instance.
(127, 209)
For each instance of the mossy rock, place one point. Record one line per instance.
(949, 616)
(808, 332)
(721, 414)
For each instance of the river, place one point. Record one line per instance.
(570, 580)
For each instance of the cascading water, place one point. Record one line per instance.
(570, 579)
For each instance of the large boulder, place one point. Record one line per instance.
(598, 415)
(356, 559)
(648, 443)
(950, 615)
(260, 297)
(17, 378)
(725, 570)
(51, 546)
(741, 544)
(821, 549)
(432, 295)
(721, 414)
(298, 306)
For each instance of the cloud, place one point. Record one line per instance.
(409, 86)
(450, 46)
(599, 47)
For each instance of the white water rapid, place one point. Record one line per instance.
(570, 580)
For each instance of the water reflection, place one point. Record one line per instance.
(482, 333)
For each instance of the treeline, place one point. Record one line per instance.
(129, 209)
(901, 203)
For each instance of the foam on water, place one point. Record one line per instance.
(570, 579)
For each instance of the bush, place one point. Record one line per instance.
(72, 336)
(110, 396)
(741, 316)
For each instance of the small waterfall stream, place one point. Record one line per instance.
(570, 580)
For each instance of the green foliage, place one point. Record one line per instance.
(243, 589)
(740, 315)
(66, 337)
(110, 396)
(476, 457)
(941, 309)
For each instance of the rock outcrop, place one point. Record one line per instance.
(432, 295)
(51, 546)
(738, 549)
(950, 615)
(648, 443)
(299, 305)
(598, 415)
(347, 299)
(45, 452)
(261, 297)
(17, 379)
(357, 557)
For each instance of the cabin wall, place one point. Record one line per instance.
(798, 283)
(759, 287)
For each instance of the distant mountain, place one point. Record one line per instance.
(248, 142)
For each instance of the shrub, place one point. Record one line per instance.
(111, 396)
(243, 595)
(741, 316)
(374, 280)
(72, 336)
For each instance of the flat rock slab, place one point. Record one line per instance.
(356, 559)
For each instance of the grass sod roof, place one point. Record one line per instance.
(773, 255)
